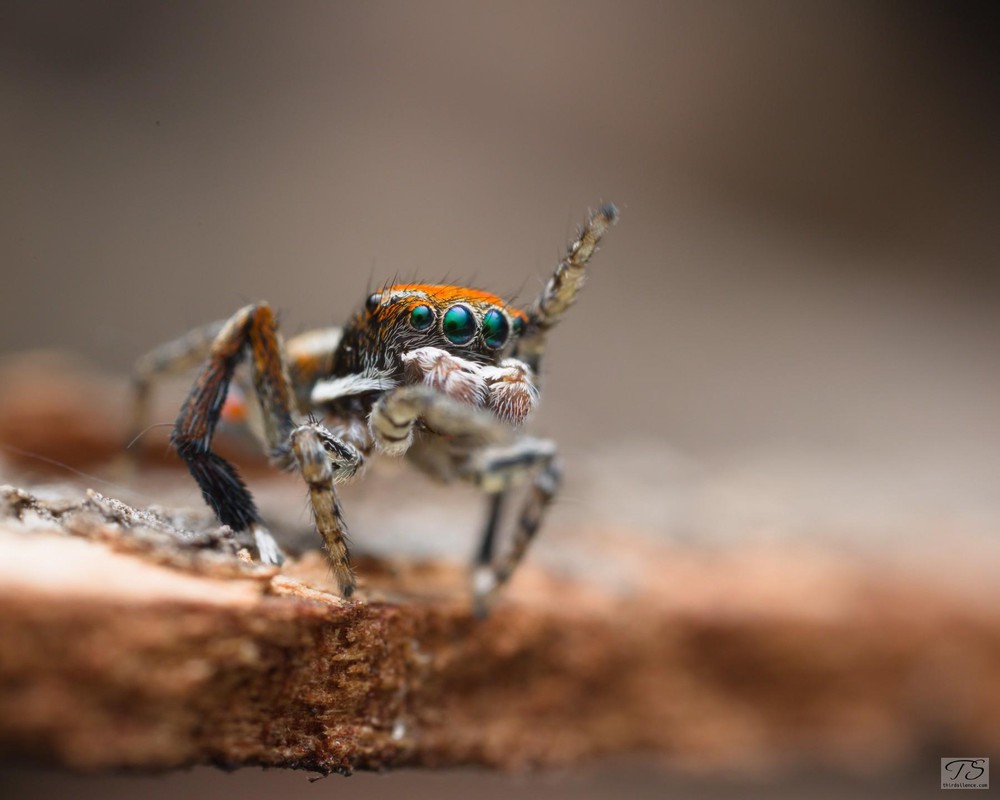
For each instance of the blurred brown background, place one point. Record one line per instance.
(809, 195)
(796, 321)
(802, 292)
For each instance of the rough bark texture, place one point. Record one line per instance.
(147, 639)
(124, 646)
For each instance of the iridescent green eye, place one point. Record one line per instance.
(495, 329)
(459, 324)
(372, 302)
(422, 317)
(518, 326)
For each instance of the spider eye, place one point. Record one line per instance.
(459, 324)
(495, 329)
(518, 326)
(373, 300)
(421, 317)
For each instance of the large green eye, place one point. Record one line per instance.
(422, 317)
(459, 324)
(495, 329)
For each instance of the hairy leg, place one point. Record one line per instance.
(444, 398)
(513, 395)
(171, 358)
(324, 460)
(564, 285)
(396, 414)
(494, 469)
(252, 331)
(310, 358)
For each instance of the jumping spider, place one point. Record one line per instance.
(441, 374)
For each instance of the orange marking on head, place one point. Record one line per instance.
(443, 296)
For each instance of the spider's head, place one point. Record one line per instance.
(474, 325)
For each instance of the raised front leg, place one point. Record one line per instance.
(251, 331)
(564, 285)
(494, 469)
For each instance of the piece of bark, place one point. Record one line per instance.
(125, 642)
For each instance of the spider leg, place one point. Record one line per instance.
(513, 395)
(508, 392)
(487, 545)
(563, 287)
(253, 331)
(324, 460)
(310, 357)
(494, 469)
(170, 358)
(395, 415)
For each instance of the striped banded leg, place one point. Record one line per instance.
(251, 331)
(493, 470)
(396, 413)
(563, 287)
(516, 401)
(325, 460)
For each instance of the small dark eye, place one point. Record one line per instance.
(459, 324)
(373, 300)
(422, 317)
(518, 326)
(495, 329)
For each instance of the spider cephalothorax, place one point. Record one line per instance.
(444, 336)
(398, 319)
(444, 375)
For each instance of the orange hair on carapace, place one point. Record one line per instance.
(443, 295)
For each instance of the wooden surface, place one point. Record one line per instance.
(145, 638)
(121, 645)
